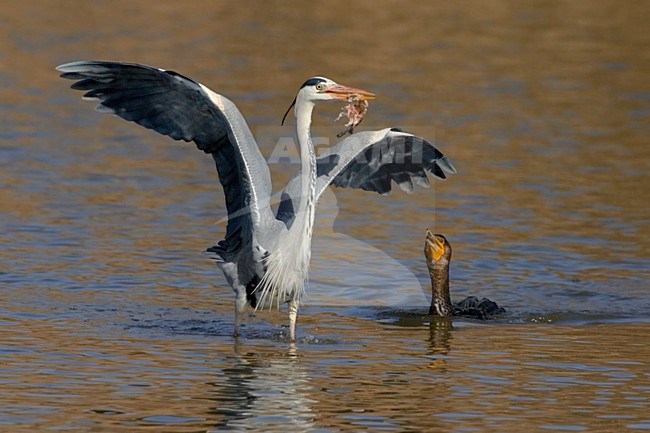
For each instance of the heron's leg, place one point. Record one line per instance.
(293, 313)
(240, 309)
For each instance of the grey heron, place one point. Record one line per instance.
(264, 255)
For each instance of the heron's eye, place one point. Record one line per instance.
(319, 86)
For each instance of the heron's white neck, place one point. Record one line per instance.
(304, 223)
(288, 266)
(304, 109)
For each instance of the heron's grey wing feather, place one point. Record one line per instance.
(174, 105)
(371, 164)
(371, 161)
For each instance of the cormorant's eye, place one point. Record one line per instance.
(319, 86)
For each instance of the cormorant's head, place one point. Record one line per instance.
(437, 249)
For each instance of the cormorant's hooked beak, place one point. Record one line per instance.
(434, 246)
(341, 92)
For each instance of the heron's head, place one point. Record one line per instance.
(437, 249)
(323, 89)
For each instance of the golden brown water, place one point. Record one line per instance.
(112, 320)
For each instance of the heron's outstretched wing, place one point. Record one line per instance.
(370, 161)
(174, 105)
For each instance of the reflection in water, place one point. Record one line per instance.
(264, 390)
(440, 335)
(439, 341)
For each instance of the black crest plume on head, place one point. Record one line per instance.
(310, 82)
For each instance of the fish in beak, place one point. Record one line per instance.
(357, 105)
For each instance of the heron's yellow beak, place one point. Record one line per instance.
(342, 92)
(434, 247)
